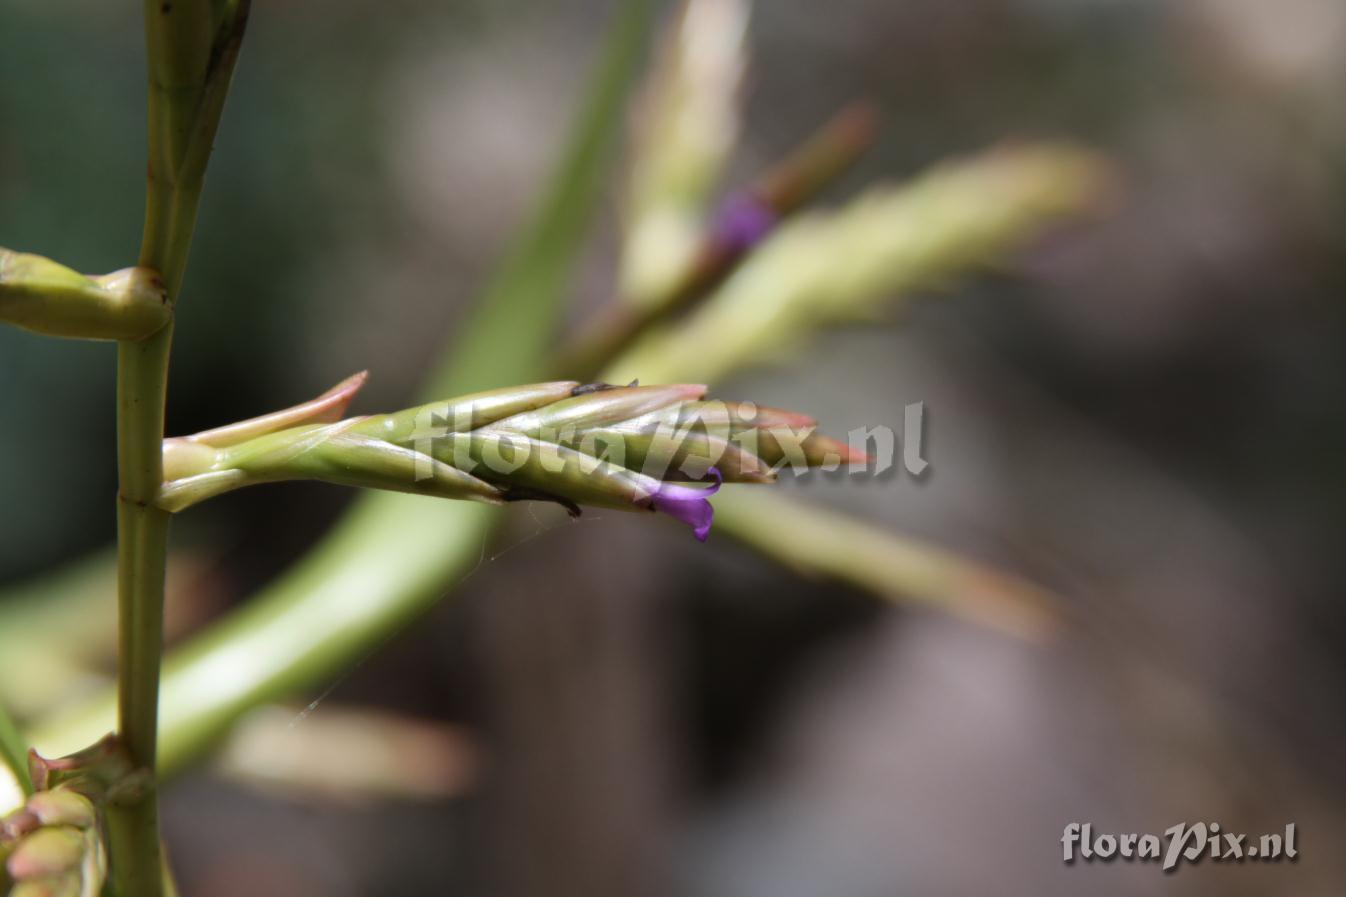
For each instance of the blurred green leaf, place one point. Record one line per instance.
(820, 543)
(52, 628)
(350, 754)
(14, 781)
(827, 267)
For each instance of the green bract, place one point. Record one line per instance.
(46, 297)
(52, 846)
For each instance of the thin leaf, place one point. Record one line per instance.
(821, 543)
(14, 781)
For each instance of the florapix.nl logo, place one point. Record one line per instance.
(684, 440)
(1182, 843)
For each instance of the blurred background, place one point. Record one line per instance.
(1144, 414)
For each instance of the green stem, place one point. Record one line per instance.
(190, 66)
(142, 557)
(137, 863)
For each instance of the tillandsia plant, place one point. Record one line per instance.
(576, 444)
(703, 291)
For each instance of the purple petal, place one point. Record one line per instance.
(688, 504)
(743, 221)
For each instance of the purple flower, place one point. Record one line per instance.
(688, 504)
(743, 221)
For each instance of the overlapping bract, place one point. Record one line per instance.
(52, 846)
(44, 296)
(618, 447)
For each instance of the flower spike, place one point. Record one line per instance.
(628, 448)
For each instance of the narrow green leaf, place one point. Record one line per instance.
(820, 543)
(14, 757)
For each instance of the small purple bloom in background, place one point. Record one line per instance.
(688, 504)
(743, 221)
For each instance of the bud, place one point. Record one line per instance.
(47, 852)
(62, 807)
(615, 447)
(58, 861)
(40, 295)
(53, 844)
